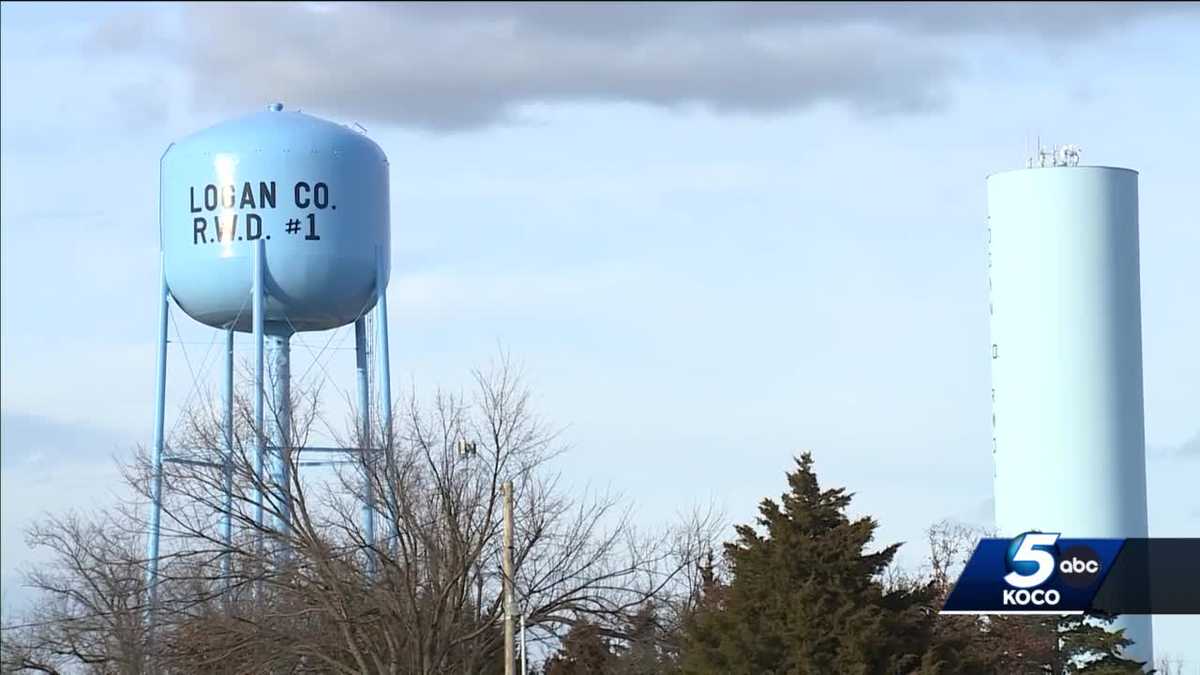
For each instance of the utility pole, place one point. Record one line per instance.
(507, 561)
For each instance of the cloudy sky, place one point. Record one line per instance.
(713, 234)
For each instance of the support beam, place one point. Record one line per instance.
(156, 452)
(385, 387)
(227, 458)
(259, 292)
(279, 355)
(193, 462)
(182, 454)
(361, 361)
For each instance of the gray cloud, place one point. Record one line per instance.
(48, 466)
(455, 66)
(41, 443)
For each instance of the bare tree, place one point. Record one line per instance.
(1170, 665)
(307, 588)
(90, 610)
(951, 544)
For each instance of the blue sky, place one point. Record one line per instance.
(714, 236)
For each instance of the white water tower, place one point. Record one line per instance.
(1068, 435)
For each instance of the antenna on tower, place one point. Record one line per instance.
(1067, 155)
(1055, 155)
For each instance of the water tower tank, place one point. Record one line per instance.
(315, 192)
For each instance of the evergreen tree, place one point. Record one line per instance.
(584, 651)
(1089, 645)
(641, 647)
(1073, 644)
(1022, 645)
(805, 596)
(646, 650)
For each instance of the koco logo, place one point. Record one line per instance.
(1032, 560)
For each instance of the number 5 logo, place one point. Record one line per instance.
(1031, 566)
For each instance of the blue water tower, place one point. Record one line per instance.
(271, 224)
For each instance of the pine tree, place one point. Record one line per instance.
(584, 651)
(1022, 645)
(645, 651)
(1089, 645)
(805, 596)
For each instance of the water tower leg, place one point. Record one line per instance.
(385, 387)
(227, 438)
(156, 457)
(279, 353)
(257, 316)
(361, 359)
